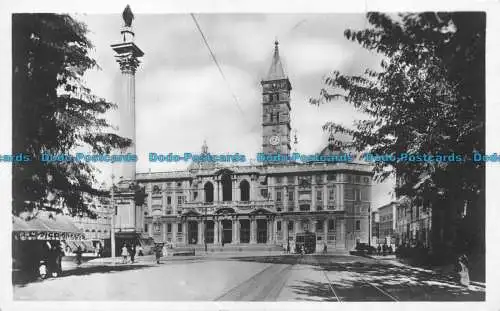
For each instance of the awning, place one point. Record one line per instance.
(46, 226)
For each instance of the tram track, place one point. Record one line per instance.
(367, 291)
(263, 286)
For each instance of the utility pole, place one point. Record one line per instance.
(113, 242)
(369, 225)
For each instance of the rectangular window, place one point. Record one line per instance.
(358, 179)
(145, 227)
(290, 196)
(278, 196)
(331, 225)
(331, 177)
(278, 180)
(319, 195)
(180, 200)
(331, 194)
(319, 225)
(263, 193)
(179, 228)
(278, 225)
(358, 225)
(290, 226)
(157, 228)
(169, 228)
(319, 179)
(169, 200)
(348, 193)
(290, 179)
(357, 194)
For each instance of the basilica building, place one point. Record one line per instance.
(263, 205)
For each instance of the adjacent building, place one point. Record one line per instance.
(387, 224)
(413, 224)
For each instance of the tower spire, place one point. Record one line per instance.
(276, 72)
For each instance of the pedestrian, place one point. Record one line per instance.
(58, 259)
(78, 253)
(288, 248)
(324, 248)
(164, 250)
(124, 254)
(132, 254)
(463, 270)
(379, 250)
(140, 251)
(158, 254)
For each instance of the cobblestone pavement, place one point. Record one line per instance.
(251, 278)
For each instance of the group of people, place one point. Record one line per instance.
(384, 249)
(129, 251)
(53, 258)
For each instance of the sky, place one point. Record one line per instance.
(182, 98)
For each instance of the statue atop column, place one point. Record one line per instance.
(128, 16)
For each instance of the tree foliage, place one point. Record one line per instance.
(54, 112)
(427, 98)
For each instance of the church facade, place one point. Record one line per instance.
(267, 204)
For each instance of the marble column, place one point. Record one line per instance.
(236, 231)
(343, 234)
(269, 230)
(164, 232)
(200, 232)
(284, 227)
(325, 230)
(185, 233)
(253, 233)
(216, 231)
(127, 55)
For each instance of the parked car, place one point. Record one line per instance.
(365, 248)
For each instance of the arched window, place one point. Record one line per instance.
(244, 191)
(209, 192)
(227, 189)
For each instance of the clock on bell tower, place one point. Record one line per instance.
(276, 108)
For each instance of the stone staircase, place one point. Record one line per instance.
(227, 248)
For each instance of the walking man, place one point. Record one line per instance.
(132, 253)
(158, 253)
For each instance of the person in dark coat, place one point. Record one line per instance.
(158, 253)
(132, 253)
(78, 253)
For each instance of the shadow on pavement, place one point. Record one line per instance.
(357, 279)
(22, 280)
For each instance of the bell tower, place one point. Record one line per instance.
(276, 108)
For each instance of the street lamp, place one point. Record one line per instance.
(369, 225)
(205, 230)
(113, 212)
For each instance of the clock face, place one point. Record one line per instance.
(274, 140)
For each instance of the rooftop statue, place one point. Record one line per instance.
(128, 16)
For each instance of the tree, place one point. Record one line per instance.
(428, 98)
(54, 112)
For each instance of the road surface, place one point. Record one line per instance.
(253, 278)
